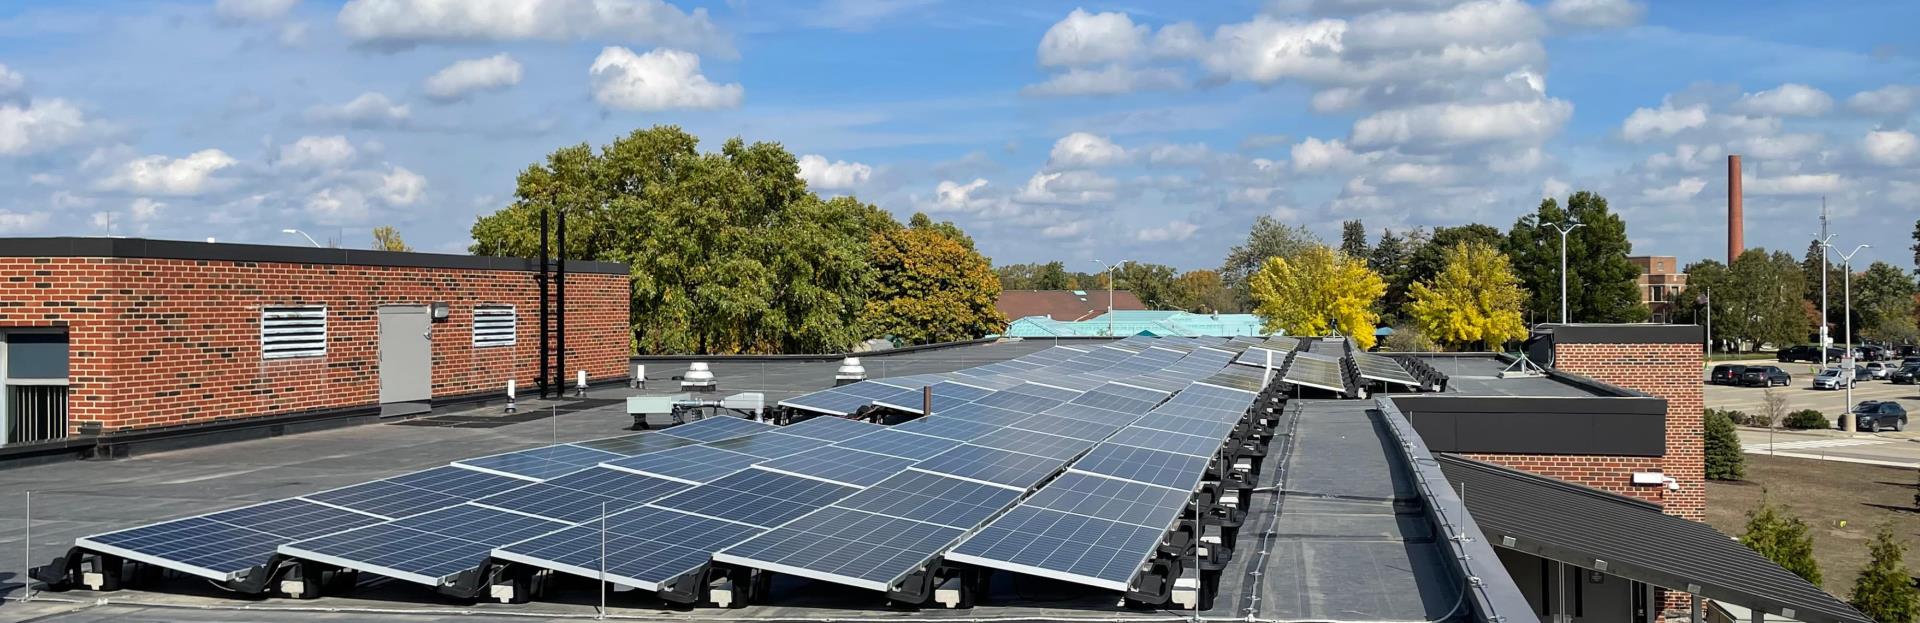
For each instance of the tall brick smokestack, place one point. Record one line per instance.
(1735, 244)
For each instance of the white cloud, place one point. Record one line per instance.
(463, 78)
(159, 175)
(40, 125)
(1787, 100)
(1650, 123)
(951, 196)
(316, 153)
(1776, 147)
(1893, 99)
(144, 209)
(1179, 155)
(1173, 231)
(400, 187)
(252, 10)
(293, 35)
(1687, 157)
(369, 110)
(663, 79)
(1596, 13)
(822, 174)
(11, 82)
(1554, 188)
(1890, 147)
(1802, 184)
(1681, 190)
(1416, 173)
(405, 23)
(1064, 230)
(1454, 124)
(1067, 188)
(1480, 22)
(1268, 50)
(338, 206)
(1084, 38)
(22, 222)
(1314, 154)
(1114, 79)
(1083, 150)
(1182, 40)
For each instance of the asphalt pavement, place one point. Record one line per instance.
(1894, 449)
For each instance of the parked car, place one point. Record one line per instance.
(1726, 374)
(1765, 376)
(1806, 352)
(1910, 361)
(1870, 352)
(1877, 370)
(1907, 375)
(1832, 378)
(1909, 350)
(1873, 416)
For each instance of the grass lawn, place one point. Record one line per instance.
(1825, 494)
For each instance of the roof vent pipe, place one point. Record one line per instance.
(698, 378)
(850, 372)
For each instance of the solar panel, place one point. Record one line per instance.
(386, 498)
(945, 395)
(1067, 427)
(539, 463)
(1106, 498)
(901, 444)
(847, 546)
(1213, 429)
(769, 445)
(219, 546)
(690, 464)
(1169, 441)
(717, 428)
(1382, 368)
(1018, 401)
(831, 428)
(1044, 391)
(425, 549)
(1314, 370)
(1059, 545)
(1034, 443)
(1106, 398)
(1154, 467)
(932, 498)
(842, 465)
(946, 427)
(1001, 467)
(646, 547)
(583, 495)
(757, 497)
(830, 402)
(455, 481)
(634, 445)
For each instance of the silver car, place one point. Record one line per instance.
(1832, 378)
(1878, 370)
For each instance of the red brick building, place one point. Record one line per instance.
(108, 337)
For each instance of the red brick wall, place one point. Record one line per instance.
(1669, 371)
(167, 342)
(1613, 474)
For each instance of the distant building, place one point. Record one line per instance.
(1063, 305)
(1157, 323)
(1660, 284)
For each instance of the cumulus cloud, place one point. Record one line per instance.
(1313, 155)
(316, 153)
(40, 125)
(662, 79)
(1175, 230)
(1787, 100)
(1596, 13)
(406, 23)
(337, 206)
(369, 110)
(1480, 22)
(252, 10)
(400, 187)
(1895, 99)
(192, 174)
(951, 196)
(22, 222)
(1081, 150)
(1454, 124)
(1268, 50)
(464, 78)
(1115, 79)
(1890, 147)
(1776, 147)
(1681, 190)
(1067, 188)
(1084, 38)
(1065, 230)
(1800, 184)
(822, 174)
(1651, 123)
(11, 82)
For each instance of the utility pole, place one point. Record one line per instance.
(1564, 229)
(1110, 268)
(1847, 361)
(1824, 323)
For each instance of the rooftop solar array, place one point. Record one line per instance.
(1315, 370)
(1382, 368)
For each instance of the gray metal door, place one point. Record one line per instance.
(406, 354)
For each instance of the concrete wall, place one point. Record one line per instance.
(162, 342)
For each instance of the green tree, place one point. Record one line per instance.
(1883, 296)
(1153, 284)
(1052, 276)
(1810, 273)
(1602, 286)
(1781, 538)
(1755, 301)
(386, 238)
(1723, 456)
(1269, 238)
(1318, 291)
(1884, 589)
(930, 286)
(1475, 299)
(1916, 245)
(1015, 276)
(1428, 259)
(729, 251)
(1389, 260)
(1202, 292)
(1353, 239)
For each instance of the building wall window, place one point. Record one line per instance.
(33, 385)
(287, 332)
(495, 325)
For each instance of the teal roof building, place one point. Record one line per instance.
(1156, 323)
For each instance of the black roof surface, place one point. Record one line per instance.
(1579, 525)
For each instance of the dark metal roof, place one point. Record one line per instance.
(1582, 526)
(287, 254)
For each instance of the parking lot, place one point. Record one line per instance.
(1801, 394)
(1900, 449)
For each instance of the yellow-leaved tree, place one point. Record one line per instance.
(1474, 299)
(1316, 292)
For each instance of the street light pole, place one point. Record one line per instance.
(1847, 358)
(1110, 268)
(302, 235)
(1564, 229)
(1825, 238)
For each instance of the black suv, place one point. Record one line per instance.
(1871, 353)
(1726, 374)
(1907, 375)
(1764, 376)
(1874, 415)
(1806, 352)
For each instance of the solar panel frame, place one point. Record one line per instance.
(769, 445)
(933, 498)
(1034, 443)
(240, 545)
(844, 546)
(847, 466)
(1154, 467)
(1100, 497)
(689, 464)
(636, 444)
(646, 546)
(833, 429)
(1169, 441)
(1001, 467)
(903, 444)
(1067, 427)
(717, 428)
(385, 498)
(757, 497)
(1063, 546)
(424, 549)
(538, 463)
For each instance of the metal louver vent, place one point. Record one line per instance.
(495, 325)
(293, 332)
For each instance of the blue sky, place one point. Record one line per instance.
(1151, 131)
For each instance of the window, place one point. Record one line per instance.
(33, 385)
(495, 325)
(287, 332)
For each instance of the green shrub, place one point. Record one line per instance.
(1884, 590)
(1736, 416)
(1781, 538)
(1806, 419)
(1724, 460)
